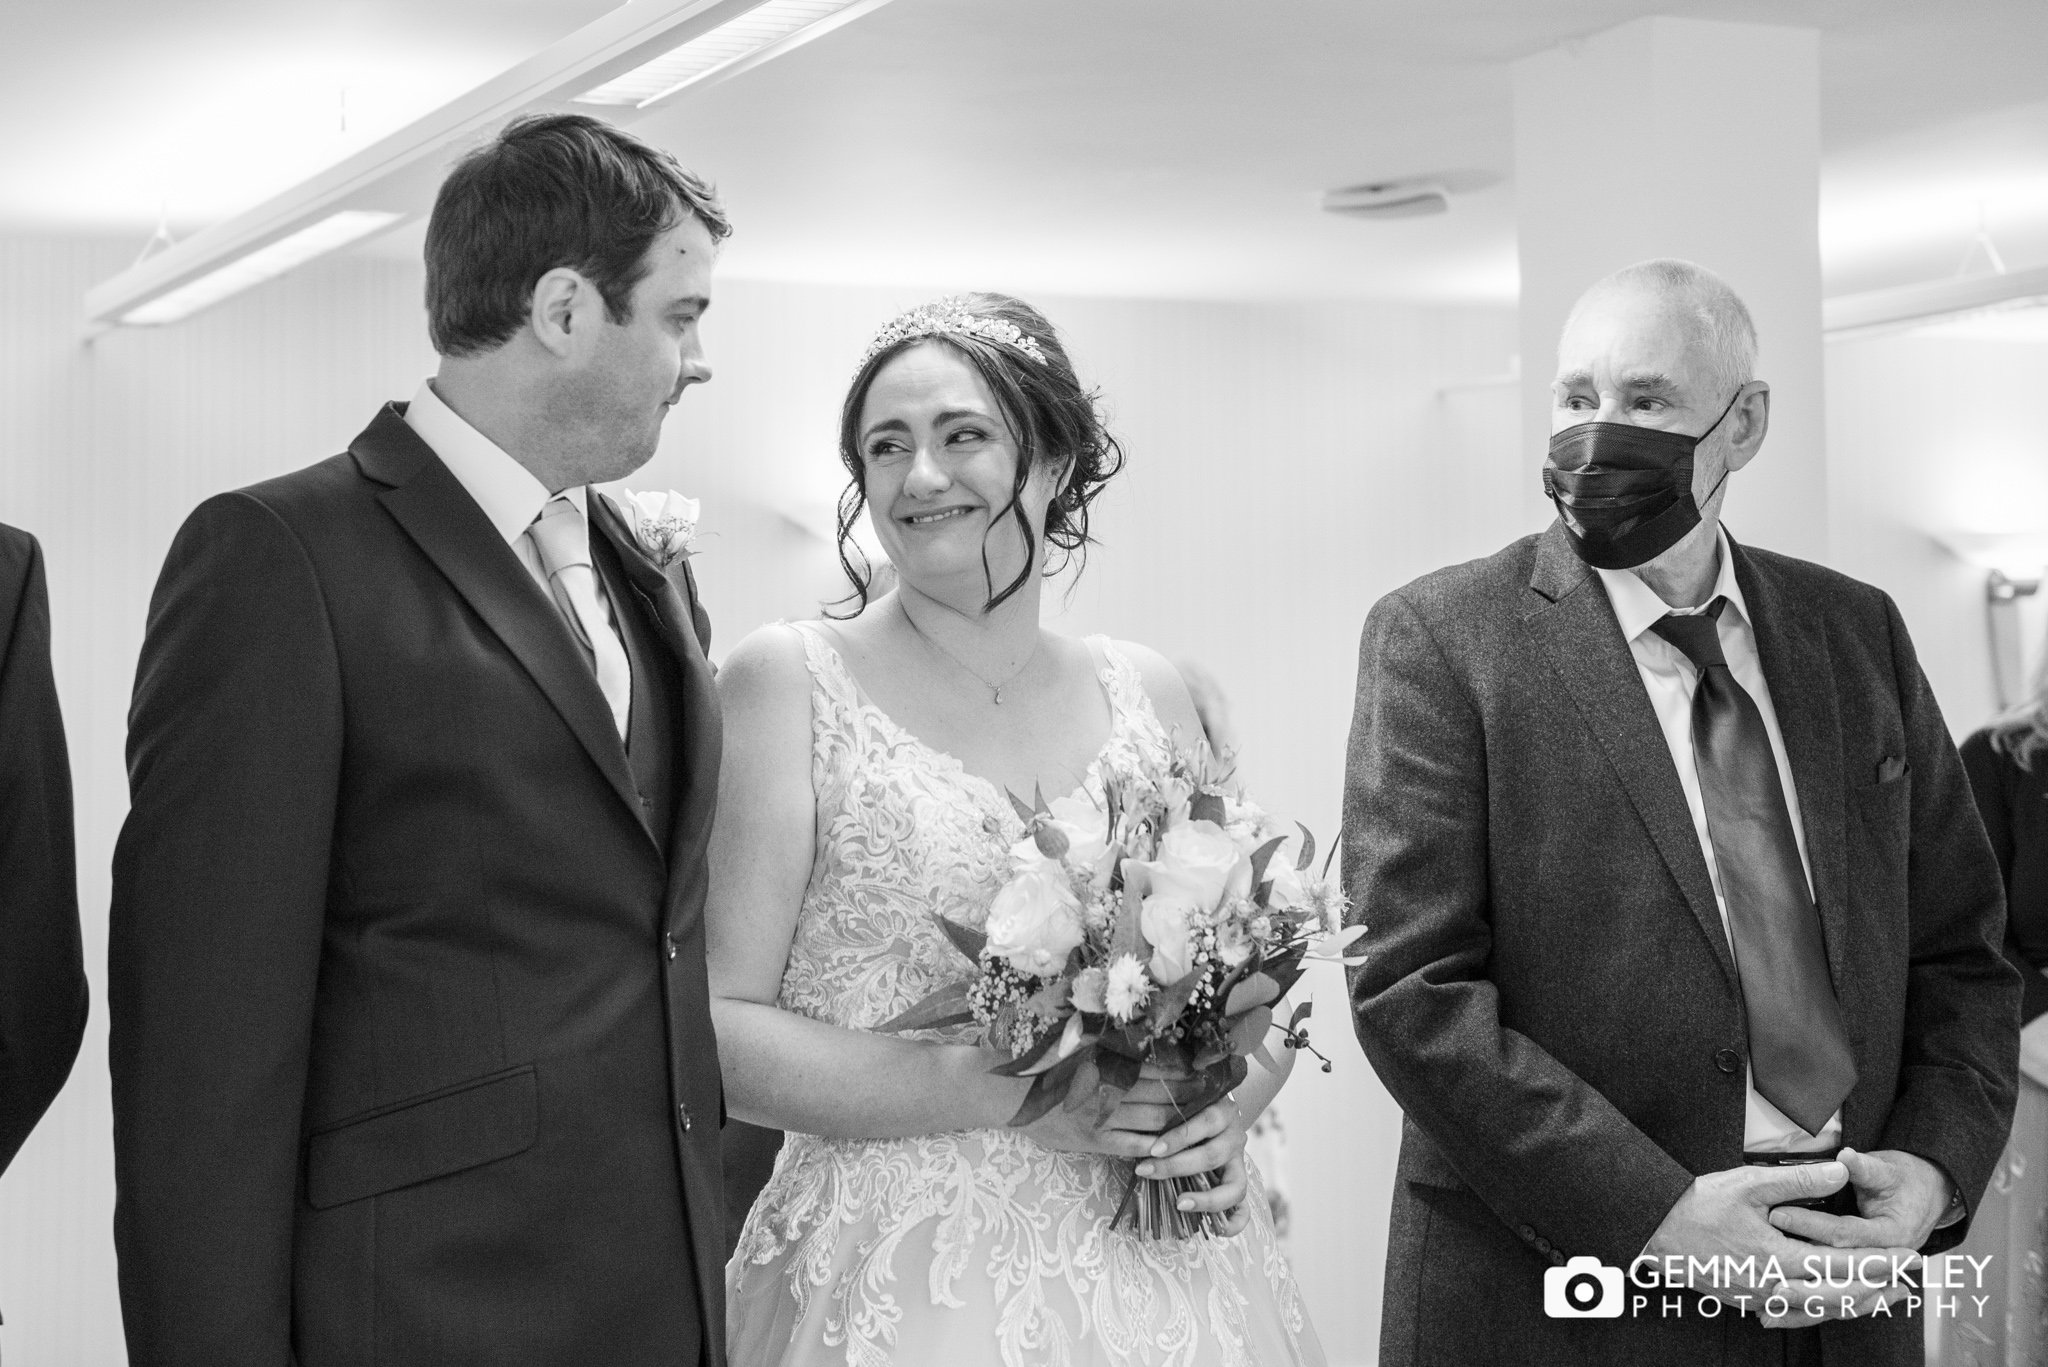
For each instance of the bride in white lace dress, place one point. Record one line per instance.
(863, 790)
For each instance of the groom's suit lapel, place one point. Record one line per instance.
(451, 530)
(670, 598)
(1569, 615)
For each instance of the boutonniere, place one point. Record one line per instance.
(665, 525)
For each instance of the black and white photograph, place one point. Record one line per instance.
(1024, 683)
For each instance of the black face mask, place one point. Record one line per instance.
(1625, 492)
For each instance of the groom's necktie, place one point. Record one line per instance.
(1798, 1047)
(563, 539)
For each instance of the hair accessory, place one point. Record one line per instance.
(950, 315)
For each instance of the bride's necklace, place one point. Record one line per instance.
(995, 689)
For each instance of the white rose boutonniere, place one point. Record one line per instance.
(665, 524)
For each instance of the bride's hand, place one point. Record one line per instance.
(1211, 1139)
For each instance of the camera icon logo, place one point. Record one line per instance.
(1583, 1289)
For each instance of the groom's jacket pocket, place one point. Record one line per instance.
(422, 1138)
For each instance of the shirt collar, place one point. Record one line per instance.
(506, 490)
(1638, 608)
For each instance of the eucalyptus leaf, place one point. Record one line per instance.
(966, 939)
(1048, 1090)
(1255, 991)
(1248, 1030)
(1308, 848)
(1032, 1060)
(1206, 806)
(1167, 1003)
(947, 1006)
(1263, 856)
(1021, 807)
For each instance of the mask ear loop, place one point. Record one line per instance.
(1740, 390)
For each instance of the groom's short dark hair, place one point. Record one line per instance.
(550, 190)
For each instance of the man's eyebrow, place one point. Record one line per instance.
(1571, 378)
(1653, 381)
(698, 302)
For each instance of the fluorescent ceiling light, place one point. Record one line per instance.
(265, 263)
(396, 176)
(2023, 320)
(763, 31)
(1881, 311)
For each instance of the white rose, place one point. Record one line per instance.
(665, 524)
(1200, 865)
(1086, 828)
(1168, 922)
(1035, 921)
(1289, 890)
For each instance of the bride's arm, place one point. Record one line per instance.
(795, 1073)
(782, 1069)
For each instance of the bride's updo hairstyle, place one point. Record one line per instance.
(1053, 418)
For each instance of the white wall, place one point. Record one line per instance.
(1933, 435)
(1289, 464)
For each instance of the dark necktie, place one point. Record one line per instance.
(1798, 1047)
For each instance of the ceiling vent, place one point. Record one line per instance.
(1407, 197)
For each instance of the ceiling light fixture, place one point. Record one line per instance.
(769, 30)
(266, 263)
(395, 177)
(1875, 312)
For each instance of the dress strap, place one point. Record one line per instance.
(1131, 706)
(836, 699)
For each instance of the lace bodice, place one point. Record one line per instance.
(915, 1250)
(903, 830)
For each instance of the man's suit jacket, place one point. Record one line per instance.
(42, 969)
(412, 1051)
(1550, 995)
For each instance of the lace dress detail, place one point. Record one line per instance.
(979, 1246)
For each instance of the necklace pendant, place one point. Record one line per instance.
(998, 695)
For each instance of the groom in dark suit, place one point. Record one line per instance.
(42, 969)
(1681, 914)
(411, 1053)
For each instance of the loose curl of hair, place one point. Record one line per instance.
(2021, 731)
(1052, 417)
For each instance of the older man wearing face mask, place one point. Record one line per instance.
(1685, 935)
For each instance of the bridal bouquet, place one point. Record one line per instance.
(1158, 927)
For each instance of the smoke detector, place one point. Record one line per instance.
(1407, 197)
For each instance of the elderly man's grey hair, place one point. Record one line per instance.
(1721, 320)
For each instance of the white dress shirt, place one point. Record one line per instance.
(1670, 678)
(506, 490)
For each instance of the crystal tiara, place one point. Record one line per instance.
(950, 315)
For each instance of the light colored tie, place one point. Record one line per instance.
(563, 539)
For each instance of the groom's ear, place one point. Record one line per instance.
(560, 308)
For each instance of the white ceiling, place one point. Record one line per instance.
(1146, 147)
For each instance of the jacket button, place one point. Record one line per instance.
(1557, 1260)
(669, 943)
(1727, 1060)
(683, 1116)
(1543, 1246)
(1528, 1234)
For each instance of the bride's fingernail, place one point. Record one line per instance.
(1144, 1169)
(1186, 1203)
(1159, 1149)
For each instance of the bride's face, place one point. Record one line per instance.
(940, 463)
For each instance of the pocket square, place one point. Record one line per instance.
(1892, 768)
